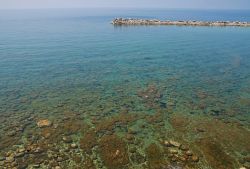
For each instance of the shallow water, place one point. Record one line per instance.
(114, 97)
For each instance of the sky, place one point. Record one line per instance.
(193, 4)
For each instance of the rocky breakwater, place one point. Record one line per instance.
(122, 21)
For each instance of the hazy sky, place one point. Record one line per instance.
(200, 4)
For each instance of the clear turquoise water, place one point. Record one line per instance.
(54, 62)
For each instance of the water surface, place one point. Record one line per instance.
(123, 97)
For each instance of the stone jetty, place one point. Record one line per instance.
(129, 21)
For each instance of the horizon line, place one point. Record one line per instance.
(169, 8)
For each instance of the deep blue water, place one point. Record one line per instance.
(54, 57)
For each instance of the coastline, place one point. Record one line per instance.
(131, 21)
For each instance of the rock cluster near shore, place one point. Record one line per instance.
(129, 21)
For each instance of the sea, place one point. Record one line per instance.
(77, 92)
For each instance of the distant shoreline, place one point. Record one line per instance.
(130, 21)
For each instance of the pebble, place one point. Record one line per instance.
(166, 143)
(44, 123)
(55, 126)
(183, 159)
(10, 159)
(173, 151)
(2, 158)
(57, 167)
(183, 147)
(20, 154)
(67, 139)
(38, 150)
(14, 164)
(189, 153)
(47, 135)
(73, 145)
(20, 129)
(67, 149)
(59, 159)
(9, 153)
(170, 155)
(195, 158)
(50, 156)
(36, 165)
(174, 143)
(21, 150)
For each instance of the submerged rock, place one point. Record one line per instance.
(173, 151)
(189, 153)
(21, 154)
(67, 139)
(174, 143)
(36, 165)
(44, 123)
(73, 145)
(166, 143)
(195, 158)
(10, 159)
